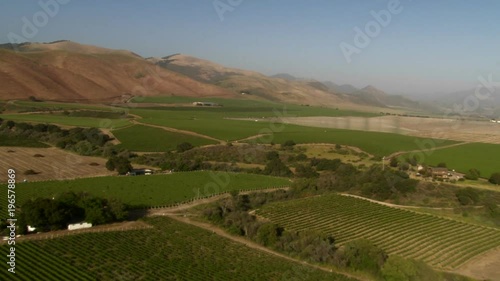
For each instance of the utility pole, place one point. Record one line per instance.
(383, 163)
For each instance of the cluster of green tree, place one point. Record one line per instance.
(96, 114)
(495, 178)
(326, 164)
(358, 255)
(84, 141)
(232, 213)
(470, 198)
(373, 182)
(275, 166)
(52, 214)
(467, 196)
(492, 211)
(183, 162)
(120, 164)
(242, 153)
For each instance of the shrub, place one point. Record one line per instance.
(120, 164)
(467, 196)
(185, 146)
(288, 144)
(495, 178)
(473, 174)
(30, 172)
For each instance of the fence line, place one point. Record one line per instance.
(185, 202)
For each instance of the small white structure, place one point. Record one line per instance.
(494, 121)
(31, 228)
(81, 225)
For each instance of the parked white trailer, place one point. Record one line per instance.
(82, 225)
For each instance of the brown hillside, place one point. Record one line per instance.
(254, 83)
(67, 71)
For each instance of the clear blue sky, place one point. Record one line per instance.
(430, 46)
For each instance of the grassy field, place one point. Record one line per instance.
(148, 139)
(379, 144)
(156, 190)
(243, 107)
(440, 242)
(20, 141)
(376, 143)
(481, 156)
(46, 106)
(169, 251)
(67, 120)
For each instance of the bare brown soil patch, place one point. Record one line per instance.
(120, 226)
(56, 164)
(483, 267)
(437, 128)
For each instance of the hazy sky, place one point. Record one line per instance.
(427, 46)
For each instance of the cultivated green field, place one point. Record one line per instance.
(206, 123)
(33, 106)
(481, 156)
(169, 251)
(68, 121)
(376, 143)
(155, 190)
(20, 142)
(148, 139)
(440, 242)
(252, 108)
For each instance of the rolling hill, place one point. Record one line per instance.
(372, 96)
(68, 71)
(345, 88)
(485, 104)
(283, 88)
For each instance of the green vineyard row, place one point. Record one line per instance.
(437, 241)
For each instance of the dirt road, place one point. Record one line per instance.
(178, 131)
(251, 244)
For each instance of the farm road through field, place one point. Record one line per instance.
(251, 244)
(178, 131)
(396, 154)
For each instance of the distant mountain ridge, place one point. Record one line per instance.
(345, 88)
(285, 76)
(284, 88)
(68, 71)
(468, 103)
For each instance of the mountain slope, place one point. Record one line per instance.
(345, 88)
(486, 103)
(253, 83)
(285, 76)
(68, 71)
(372, 96)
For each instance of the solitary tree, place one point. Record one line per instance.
(185, 146)
(120, 164)
(473, 174)
(495, 178)
(288, 144)
(442, 165)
